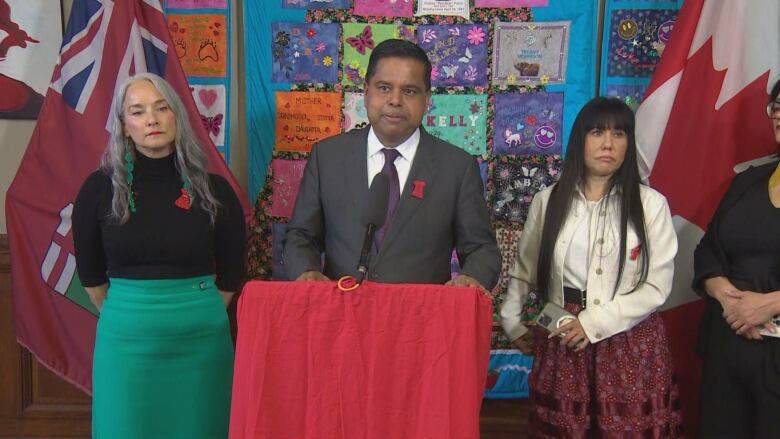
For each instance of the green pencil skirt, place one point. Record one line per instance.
(163, 362)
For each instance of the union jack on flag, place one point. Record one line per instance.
(106, 41)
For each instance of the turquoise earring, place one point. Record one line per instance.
(129, 167)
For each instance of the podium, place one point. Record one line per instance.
(384, 361)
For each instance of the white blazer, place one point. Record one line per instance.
(604, 315)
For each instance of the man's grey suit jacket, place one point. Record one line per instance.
(418, 244)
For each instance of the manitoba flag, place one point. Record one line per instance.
(106, 41)
(703, 119)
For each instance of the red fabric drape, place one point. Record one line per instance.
(383, 361)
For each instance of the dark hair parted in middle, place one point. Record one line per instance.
(601, 113)
(395, 48)
(775, 91)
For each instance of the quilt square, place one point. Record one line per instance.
(530, 53)
(360, 40)
(304, 118)
(514, 184)
(459, 8)
(287, 176)
(200, 42)
(458, 53)
(460, 120)
(637, 39)
(631, 94)
(305, 52)
(384, 8)
(211, 102)
(528, 123)
(355, 115)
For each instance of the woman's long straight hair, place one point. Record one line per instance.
(191, 160)
(601, 113)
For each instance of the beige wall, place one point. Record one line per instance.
(15, 134)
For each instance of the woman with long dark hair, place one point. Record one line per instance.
(737, 270)
(160, 249)
(600, 245)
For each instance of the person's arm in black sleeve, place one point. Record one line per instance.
(709, 261)
(91, 262)
(229, 240)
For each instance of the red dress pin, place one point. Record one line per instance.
(418, 187)
(183, 201)
(635, 252)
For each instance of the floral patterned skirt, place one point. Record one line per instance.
(618, 388)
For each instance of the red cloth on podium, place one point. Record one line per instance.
(381, 362)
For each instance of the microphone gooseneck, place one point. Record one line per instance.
(374, 212)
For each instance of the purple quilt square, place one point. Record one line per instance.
(287, 176)
(637, 39)
(483, 173)
(528, 123)
(278, 231)
(458, 53)
(516, 183)
(305, 52)
(384, 8)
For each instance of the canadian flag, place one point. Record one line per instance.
(702, 121)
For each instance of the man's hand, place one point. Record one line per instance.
(525, 343)
(312, 275)
(572, 335)
(463, 280)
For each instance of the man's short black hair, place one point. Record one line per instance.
(396, 48)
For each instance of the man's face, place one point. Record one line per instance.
(396, 99)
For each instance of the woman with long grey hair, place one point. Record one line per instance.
(160, 249)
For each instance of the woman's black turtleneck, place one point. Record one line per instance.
(160, 240)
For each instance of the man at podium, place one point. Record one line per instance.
(435, 202)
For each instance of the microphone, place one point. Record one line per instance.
(374, 212)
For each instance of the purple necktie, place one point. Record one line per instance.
(394, 192)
